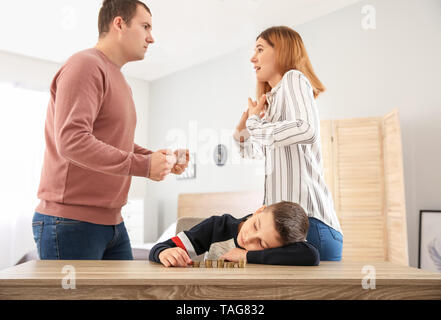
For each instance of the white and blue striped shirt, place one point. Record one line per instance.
(288, 137)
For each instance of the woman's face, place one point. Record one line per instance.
(264, 60)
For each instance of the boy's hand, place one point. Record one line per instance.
(174, 257)
(235, 255)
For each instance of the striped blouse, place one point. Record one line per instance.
(288, 137)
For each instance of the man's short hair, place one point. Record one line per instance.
(126, 9)
(291, 221)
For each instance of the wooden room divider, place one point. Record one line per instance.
(363, 168)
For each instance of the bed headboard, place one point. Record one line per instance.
(204, 205)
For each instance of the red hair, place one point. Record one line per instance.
(290, 54)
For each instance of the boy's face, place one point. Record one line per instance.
(259, 232)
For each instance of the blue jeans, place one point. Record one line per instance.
(66, 239)
(328, 241)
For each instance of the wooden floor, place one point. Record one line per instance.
(147, 280)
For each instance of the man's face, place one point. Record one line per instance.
(137, 37)
(259, 232)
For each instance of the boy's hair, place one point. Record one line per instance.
(111, 9)
(290, 220)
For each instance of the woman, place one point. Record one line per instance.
(283, 127)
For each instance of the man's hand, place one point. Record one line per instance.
(162, 162)
(174, 257)
(182, 156)
(235, 255)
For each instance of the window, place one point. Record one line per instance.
(22, 117)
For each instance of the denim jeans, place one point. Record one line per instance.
(328, 241)
(66, 239)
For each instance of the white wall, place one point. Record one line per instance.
(15, 224)
(204, 101)
(397, 65)
(366, 72)
(140, 89)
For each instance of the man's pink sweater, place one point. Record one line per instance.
(90, 153)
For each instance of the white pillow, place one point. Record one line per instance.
(168, 233)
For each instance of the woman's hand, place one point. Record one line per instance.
(174, 257)
(252, 107)
(257, 107)
(242, 122)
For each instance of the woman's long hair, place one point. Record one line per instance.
(290, 54)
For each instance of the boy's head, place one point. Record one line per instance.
(273, 226)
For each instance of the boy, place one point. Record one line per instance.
(272, 235)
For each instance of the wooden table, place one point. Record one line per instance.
(148, 280)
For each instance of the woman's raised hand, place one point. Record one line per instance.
(257, 107)
(242, 122)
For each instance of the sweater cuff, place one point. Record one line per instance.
(140, 165)
(154, 253)
(157, 252)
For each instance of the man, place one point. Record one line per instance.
(90, 153)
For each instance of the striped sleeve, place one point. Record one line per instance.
(299, 130)
(248, 148)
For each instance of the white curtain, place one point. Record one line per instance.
(22, 117)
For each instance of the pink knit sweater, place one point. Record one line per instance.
(90, 154)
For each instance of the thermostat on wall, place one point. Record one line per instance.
(220, 155)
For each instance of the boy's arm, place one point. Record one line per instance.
(293, 254)
(198, 239)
